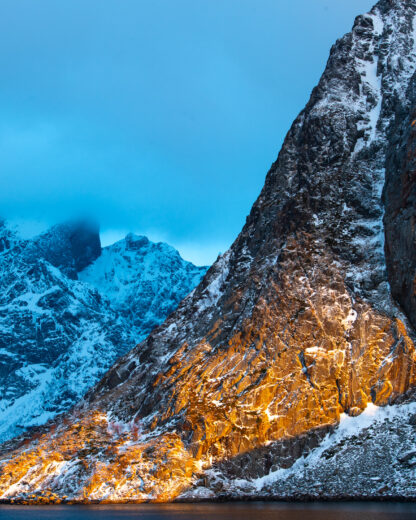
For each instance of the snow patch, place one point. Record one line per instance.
(213, 291)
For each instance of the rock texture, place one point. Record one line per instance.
(70, 247)
(400, 217)
(58, 333)
(372, 456)
(290, 332)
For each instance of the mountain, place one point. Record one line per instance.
(290, 370)
(143, 281)
(59, 333)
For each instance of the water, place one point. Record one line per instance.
(230, 511)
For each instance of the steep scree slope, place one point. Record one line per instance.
(291, 330)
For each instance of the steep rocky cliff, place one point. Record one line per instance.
(400, 216)
(292, 334)
(59, 333)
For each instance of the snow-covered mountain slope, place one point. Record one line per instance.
(306, 319)
(58, 335)
(144, 281)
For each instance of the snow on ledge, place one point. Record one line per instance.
(348, 427)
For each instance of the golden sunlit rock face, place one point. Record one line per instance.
(99, 460)
(296, 364)
(293, 326)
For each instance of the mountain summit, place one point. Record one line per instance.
(143, 280)
(298, 341)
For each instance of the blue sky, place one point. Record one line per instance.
(159, 117)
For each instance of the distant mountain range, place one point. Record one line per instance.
(69, 309)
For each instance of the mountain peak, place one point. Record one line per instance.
(134, 241)
(8, 237)
(144, 280)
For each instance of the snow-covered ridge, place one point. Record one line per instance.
(143, 280)
(58, 335)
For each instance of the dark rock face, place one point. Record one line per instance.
(85, 245)
(400, 216)
(7, 237)
(70, 247)
(261, 461)
(292, 331)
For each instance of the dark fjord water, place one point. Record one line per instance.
(232, 511)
